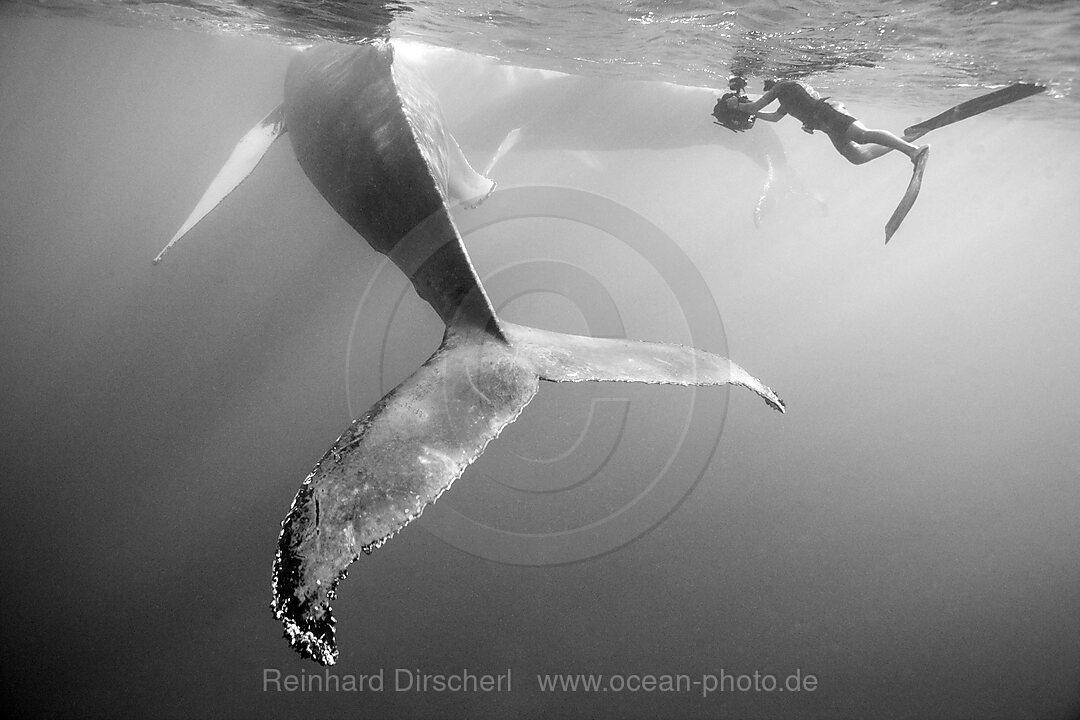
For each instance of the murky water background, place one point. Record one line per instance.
(907, 532)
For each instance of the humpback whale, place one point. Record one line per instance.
(529, 109)
(368, 133)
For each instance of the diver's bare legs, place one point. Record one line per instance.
(858, 136)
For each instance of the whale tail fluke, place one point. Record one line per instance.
(245, 156)
(420, 437)
(386, 468)
(560, 357)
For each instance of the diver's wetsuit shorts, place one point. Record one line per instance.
(833, 122)
(814, 111)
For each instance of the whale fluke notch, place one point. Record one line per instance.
(245, 156)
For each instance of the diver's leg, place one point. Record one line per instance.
(854, 152)
(859, 154)
(884, 139)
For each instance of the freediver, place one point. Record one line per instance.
(830, 116)
(729, 117)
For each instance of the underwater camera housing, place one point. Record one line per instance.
(733, 120)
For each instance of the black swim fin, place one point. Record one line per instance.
(910, 195)
(975, 106)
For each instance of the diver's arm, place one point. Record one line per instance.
(752, 107)
(772, 116)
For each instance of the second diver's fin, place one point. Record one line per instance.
(245, 156)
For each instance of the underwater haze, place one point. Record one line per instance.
(907, 533)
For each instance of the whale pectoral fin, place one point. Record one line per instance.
(464, 184)
(245, 156)
(766, 202)
(586, 158)
(505, 146)
(385, 468)
(575, 358)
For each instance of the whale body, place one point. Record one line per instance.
(369, 135)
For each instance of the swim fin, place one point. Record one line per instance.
(975, 106)
(910, 195)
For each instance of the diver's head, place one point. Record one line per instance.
(736, 82)
(769, 84)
